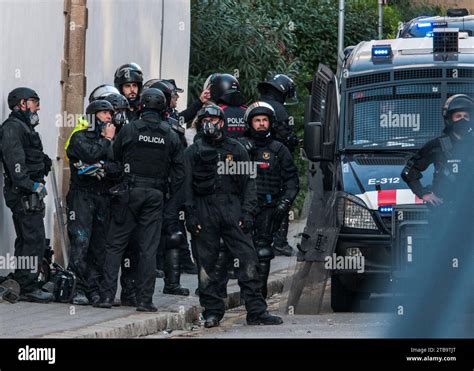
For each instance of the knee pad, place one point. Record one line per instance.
(175, 240)
(264, 252)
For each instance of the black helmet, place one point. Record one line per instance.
(282, 84)
(118, 101)
(209, 130)
(457, 103)
(98, 106)
(176, 89)
(259, 108)
(121, 105)
(102, 91)
(211, 110)
(149, 83)
(130, 72)
(16, 95)
(153, 98)
(166, 87)
(224, 88)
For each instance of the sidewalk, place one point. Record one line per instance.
(56, 320)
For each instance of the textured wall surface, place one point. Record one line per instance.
(153, 33)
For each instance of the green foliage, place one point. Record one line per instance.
(254, 38)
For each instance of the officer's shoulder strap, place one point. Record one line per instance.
(445, 143)
(223, 106)
(275, 146)
(22, 123)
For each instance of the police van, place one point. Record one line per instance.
(424, 26)
(361, 126)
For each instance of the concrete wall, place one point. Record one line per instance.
(31, 40)
(119, 31)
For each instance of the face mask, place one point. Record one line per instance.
(32, 117)
(462, 127)
(120, 119)
(99, 124)
(260, 134)
(210, 130)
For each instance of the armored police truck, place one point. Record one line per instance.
(361, 126)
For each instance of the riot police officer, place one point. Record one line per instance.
(275, 91)
(25, 167)
(457, 112)
(221, 204)
(225, 92)
(173, 254)
(121, 109)
(277, 181)
(441, 291)
(88, 201)
(151, 154)
(128, 79)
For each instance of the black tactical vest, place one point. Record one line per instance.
(148, 156)
(268, 179)
(34, 156)
(207, 160)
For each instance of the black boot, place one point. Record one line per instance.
(263, 272)
(264, 319)
(172, 274)
(105, 303)
(146, 307)
(211, 321)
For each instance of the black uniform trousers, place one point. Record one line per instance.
(29, 242)
(219, 216)
(88, 222)
(143, 211)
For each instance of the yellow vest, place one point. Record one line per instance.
(81, 124)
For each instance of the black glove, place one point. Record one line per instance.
(47, 164)
(281, 210)
(192, 224)
(246, 223)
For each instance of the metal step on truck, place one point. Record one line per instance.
(361, 126)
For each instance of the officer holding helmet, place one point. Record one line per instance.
(224, 90)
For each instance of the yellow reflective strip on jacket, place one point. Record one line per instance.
(81, 124)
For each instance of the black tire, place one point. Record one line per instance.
(343, 299)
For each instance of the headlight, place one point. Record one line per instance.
(353, 215)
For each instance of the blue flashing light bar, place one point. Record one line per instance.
(381, 53)
(385, 209)
(424, 25)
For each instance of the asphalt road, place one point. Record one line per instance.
(327, 324)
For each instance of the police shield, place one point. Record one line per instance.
(304, 291)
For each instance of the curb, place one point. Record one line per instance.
(143, 324)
